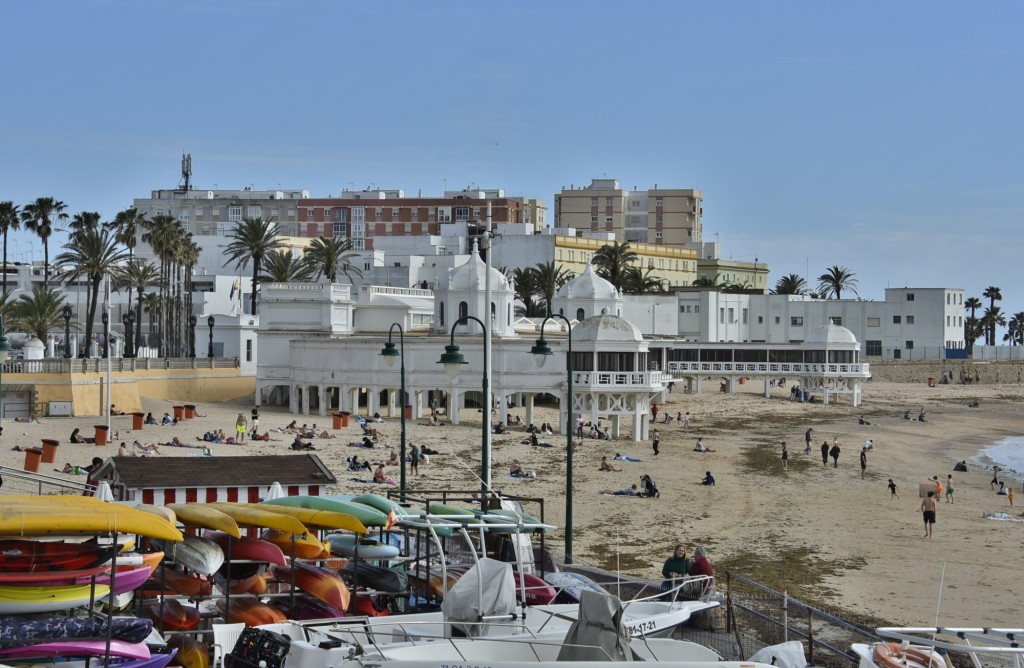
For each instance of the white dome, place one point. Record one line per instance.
(607, 328)
(588, 285)
(831, 334)
(471, 275)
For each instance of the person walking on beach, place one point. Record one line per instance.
(928, 511)
(686, 420)
(949, 488)
(834, 454)
(863, 462)
(824, 453)
(995, 477)
(255, 418)
(414, 459)
(785, 457)
(892, 490)
(241, 426)
(807, 441)
(655, 440)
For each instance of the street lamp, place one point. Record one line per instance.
(389, 353)
(192, 321)
(106, 334)
(67, 331)
(210, 321)
(542, 350)
(129, 342)
(453, 360)
(5, 350)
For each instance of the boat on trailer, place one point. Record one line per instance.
(931, 647)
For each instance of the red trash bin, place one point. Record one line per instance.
(50, 450)
(179, 412)
(101, 434)
(138, 420)
(190, 411)
(408, 412)
(337, 419)
(32, 457)
(344, 418)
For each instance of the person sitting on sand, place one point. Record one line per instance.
(325, 434)
(607, 465)
(432, 422)
(150, 419)
(122, 451)
(519, 421)
(377, 418)
(500, 428)
(516, 470)
(906, 415)
(366, 442)
(299, 444)
(920, 416)
(355, 465)
(76, 437)
(378, 474)
(628, 491)
(531, 429)
(291, 426)
(393, 459)
(31, 419)
(167, 419)
(708, 479)
(114, 411)
(700, 447)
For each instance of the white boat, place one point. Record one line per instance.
(929, 647)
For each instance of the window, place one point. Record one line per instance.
(580, 315)
(183, 215)
(607, 201)
(254, 211)
(744, 316)
(837, 320)
(732, 316)
(874, 322)
(873, 348)
(760, 319)
(721, 315)
(947, 320)
(947, 298)
(796, 321)
(394, 212)
(463, 310)
(327, 214)
(659, 234)
(607, 219)
(358, 214)
(593, 219)
(659, 202)
(897, 319)
(658, 218)
(310, 213)
(910, 296)
(358, 230)
(379, 212)
(442, 314)
(696, 309)
(778, 320)
(910, 345)
(358, 245)
(340, 229)
(461, 214)
(248, 350)
(200, 212)
(234, 214)
(910, 320)
(593, 201)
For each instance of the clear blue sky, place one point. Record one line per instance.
(884, 137)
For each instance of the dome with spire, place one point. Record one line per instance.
(471, 275)
(587, 285)
(606, 328)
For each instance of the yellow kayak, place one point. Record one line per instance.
(159, 511)
(323, 519)
(18, 600)
(28, 519)
(205, 517)
(249, 515)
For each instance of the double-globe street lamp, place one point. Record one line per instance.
(210, 321)
(541, 350)
(67, 331)
(453, 360)
(389, 353)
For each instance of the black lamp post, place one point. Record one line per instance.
(129, 333)
(210, 321)
(542, 350)
(389, 353)
(67, 331)
(192, 320)
(106, 334)
(453, 360)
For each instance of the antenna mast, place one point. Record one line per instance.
(186, 170)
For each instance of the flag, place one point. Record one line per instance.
(234, 289)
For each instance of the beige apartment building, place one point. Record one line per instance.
(660, 216)
(748, 275)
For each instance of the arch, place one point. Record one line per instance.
(463, 310)
(580, 314)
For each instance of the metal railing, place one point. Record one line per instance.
(99, 365)
(771, 368)
(17, 481)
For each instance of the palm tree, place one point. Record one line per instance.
(93, 253)
(84, 221)
(972, 330)
(549, 278)
(791, 284)
(281, 266)
(9, 220)
(993, 294)
(640, 282)
(151, 304)
(611, 261)
(38, 313)
(126, 226)
(137, 275)
(166, 236)
(705, 282)
(42, 217)
(527, 289)
(993, 318)
(835, 280)
(252, 239)
(1015, 330)
(973, 304)
(327, 256)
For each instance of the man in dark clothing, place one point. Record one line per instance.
(824, 453)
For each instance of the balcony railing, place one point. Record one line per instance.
(97, 364)
(616, 379)
(772, 368)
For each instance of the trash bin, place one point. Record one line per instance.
(338, 418)
(101, 434)
(931, 382)
(138, 420)
(32, 458)
(190, 411)
(50, 450)
(344, 418)
(408, 412)
(179, 412)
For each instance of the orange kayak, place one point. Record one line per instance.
(186, 584)
(306, 547)
(249, 611)
(254, 584)
(317, 582)
(170, 615)
(191, 652)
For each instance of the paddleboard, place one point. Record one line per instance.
(450, 513)
(15, 600)
(381, 503)
(350, 545)
(17, 631)
(366, 515)
(204, 517)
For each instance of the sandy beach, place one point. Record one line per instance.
(822, 532)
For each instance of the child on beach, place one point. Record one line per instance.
(949, 488)
(892, 490)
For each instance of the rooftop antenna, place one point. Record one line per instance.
(186, 170)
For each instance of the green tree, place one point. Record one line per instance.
(127, 224)
(612, 261)
(38, 313)
(251, 240)
(973, 304)
(281, 266)
(642, 281)
(329, 256)
(972, 330)
(549, 277)
(994, 317)
(152, 304)
(835, 280)
(1015, 329)
(42, 217)
(790, 284)
(527, 290)
(993, 295)
(137, 275)
(92, 253)
(86, 220)
(10, 220)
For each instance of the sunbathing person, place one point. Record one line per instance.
(516, 470)
(628, 491)
(607, 465)
(31, 419)
(325, 434)
(78, 438)
(378, 475)
(355, 465)
(299, 444)
(393, 459)
(147, 447)
(625, 458)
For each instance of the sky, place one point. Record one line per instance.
(882, 137)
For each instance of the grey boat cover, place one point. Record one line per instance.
(598, 634)
(486, 589)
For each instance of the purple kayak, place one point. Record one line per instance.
(73, 648)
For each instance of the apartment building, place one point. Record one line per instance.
(216, 212)
(663, 216)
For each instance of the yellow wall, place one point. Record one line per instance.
(85, 390)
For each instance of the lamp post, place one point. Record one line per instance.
(106, 333)
(129, 332)
(67, 331)
(210, 322)
(192, 321)
(542, 350)
(389, 353)
(453, 360)
(5, 350)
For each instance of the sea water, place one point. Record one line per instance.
(1008, 454)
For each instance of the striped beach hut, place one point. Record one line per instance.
(163, 480)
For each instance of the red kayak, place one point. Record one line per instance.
(173, 616)
(51, 577)
(30, 556)
(247, 549)
(538, 592)
(317, 582)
